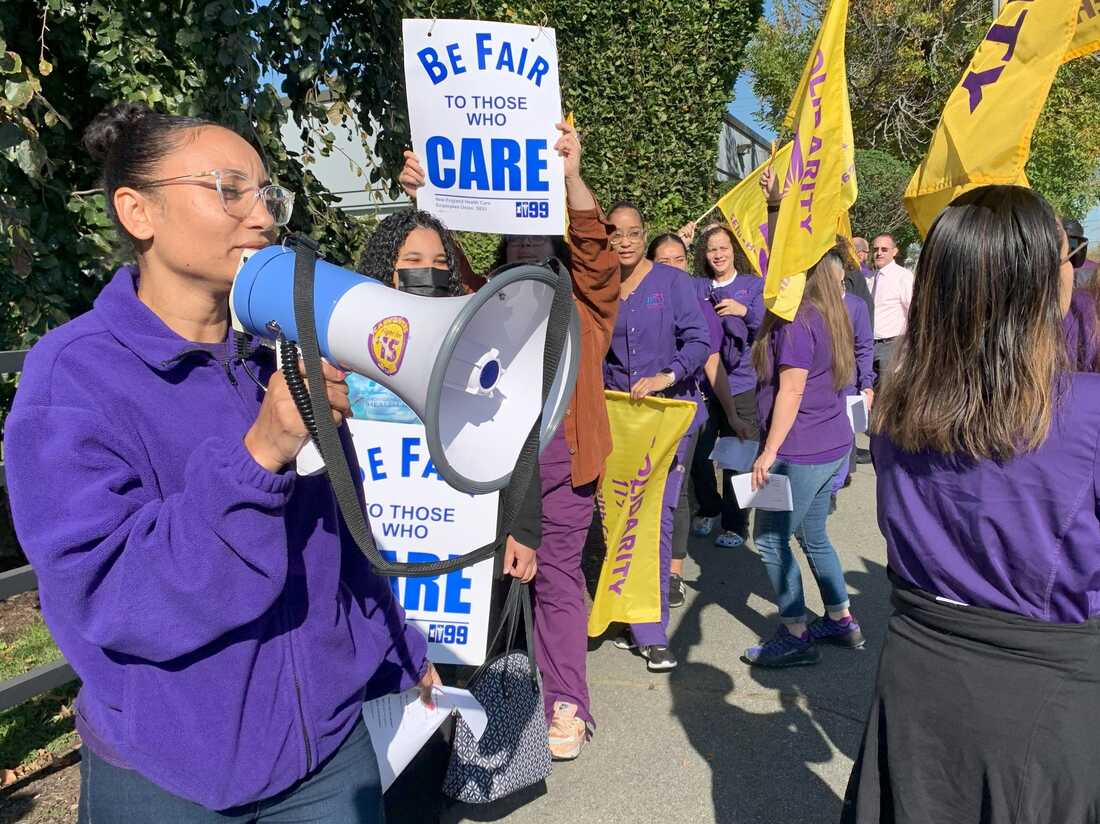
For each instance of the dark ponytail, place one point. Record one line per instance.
(128, 140)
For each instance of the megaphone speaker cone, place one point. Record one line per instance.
(470, 367)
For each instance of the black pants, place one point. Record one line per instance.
(885, 354)
(681, 519)
(704, 484)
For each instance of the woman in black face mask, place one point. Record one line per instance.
(412, 251)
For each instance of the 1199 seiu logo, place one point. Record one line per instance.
(448, 634)
(532, 208)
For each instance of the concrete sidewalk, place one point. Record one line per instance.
(716, 741)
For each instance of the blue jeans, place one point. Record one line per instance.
(811, 486)
(345, 788)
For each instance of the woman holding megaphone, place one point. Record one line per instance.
(224, 628)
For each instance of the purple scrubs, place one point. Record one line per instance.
(821, 432)
(660, 326)
(747, 290)
(561, 623)
(1019, 536)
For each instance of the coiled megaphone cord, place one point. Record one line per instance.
(288, 356)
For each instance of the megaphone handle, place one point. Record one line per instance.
(328, 439)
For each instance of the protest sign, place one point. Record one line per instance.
(483, 102)
(416, 517)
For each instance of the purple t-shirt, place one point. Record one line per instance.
(1079, 326)
(864, 343)
(821, 432)
(1020, 536)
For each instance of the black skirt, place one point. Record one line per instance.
(980, 716)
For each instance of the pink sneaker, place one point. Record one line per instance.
(567, 732)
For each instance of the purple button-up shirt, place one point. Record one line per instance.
(1019, 536)
(821, 432)
(864, 343)
(660, 326)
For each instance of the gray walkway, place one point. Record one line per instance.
(715, 741)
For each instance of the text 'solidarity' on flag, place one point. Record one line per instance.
(646, 434)
(746, 210)
(984, 134)
(820, 184)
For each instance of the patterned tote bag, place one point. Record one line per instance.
(512, 753)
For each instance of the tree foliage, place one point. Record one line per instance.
(904, 59)
(648, 81)
(879, 210)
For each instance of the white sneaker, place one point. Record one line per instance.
(702, 525)
(567, 732)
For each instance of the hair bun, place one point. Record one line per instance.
(109, 126)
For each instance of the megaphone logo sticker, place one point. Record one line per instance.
(388, 341)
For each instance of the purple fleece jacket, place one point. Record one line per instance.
(223, 623)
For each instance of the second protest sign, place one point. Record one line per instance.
(483, 102)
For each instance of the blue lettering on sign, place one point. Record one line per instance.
(504, 167)
(423, 593)
(509, 59)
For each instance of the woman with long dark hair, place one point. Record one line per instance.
(985, 444)
(803, 365)
(660, 341)
(223, 626)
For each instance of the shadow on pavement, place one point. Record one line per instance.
(762, 763)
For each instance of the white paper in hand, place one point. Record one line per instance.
(734, 453)
(774, 496)
(400, 725)
(857, 413)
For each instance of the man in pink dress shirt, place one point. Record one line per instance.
(891, 289)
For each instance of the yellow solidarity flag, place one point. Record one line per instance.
(646, 434)
(746, 210)
(984, 135)
(1087, 39)
(821, 181)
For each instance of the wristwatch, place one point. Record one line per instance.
(671, 377)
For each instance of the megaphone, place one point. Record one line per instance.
(470, 367)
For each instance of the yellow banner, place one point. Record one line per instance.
(746, 210)
(821, 181)
(984, 135)
(1087, 39)
(646, 434)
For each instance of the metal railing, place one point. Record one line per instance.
(14, 582)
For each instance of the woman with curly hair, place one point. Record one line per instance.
(412, 251)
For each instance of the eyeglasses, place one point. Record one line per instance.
(634, 236)
(239, 196)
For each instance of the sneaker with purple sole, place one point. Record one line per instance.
(783, 650)
(842, 633)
